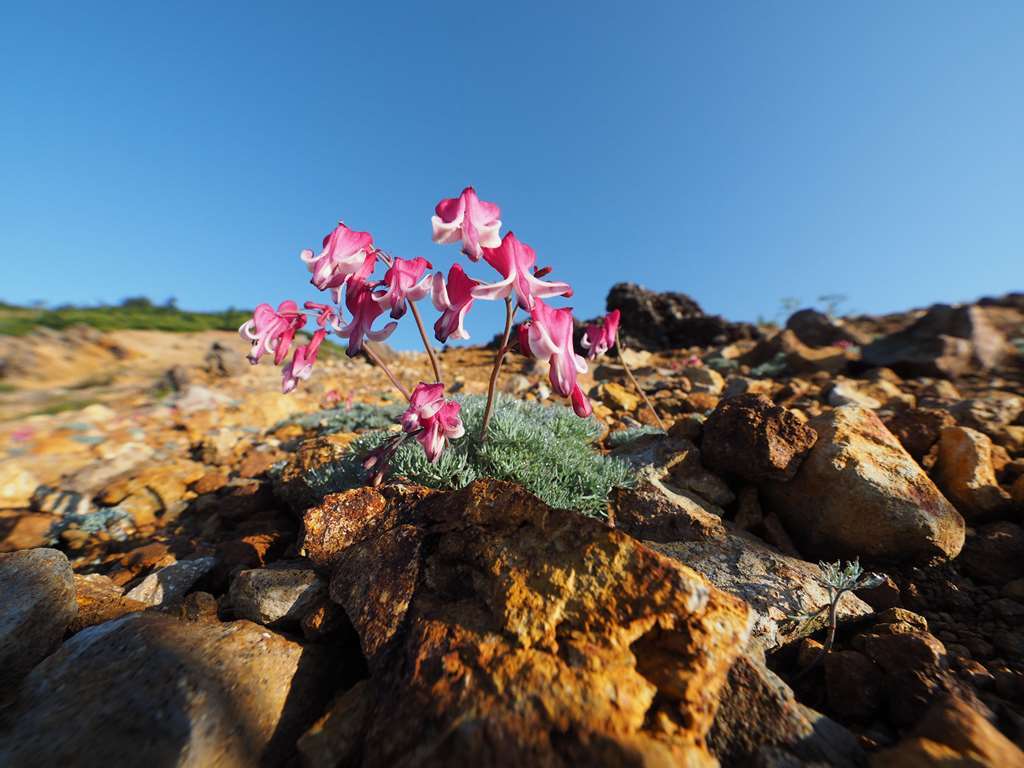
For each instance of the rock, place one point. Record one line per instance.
(177, 378)
(17, 485)
(686, 472)
(845, 392)
(222, 362)
(37, 606)
(944, 342)
(786, 351)
(169, 585)
(282, 593)
(760, 722)
(703, 379)
(99, 600)
(502, 632)
(951, 733)
(854, 685)
(307, 477)
(1017, 492)
(965, 474)
(617, 397)
(670, 320)
(741, 385)
(752, 438)
(24, 530)
(991, 414)
(816, 329)
(173, 693)
(994, 554)
(918, 429)
(774, 585)
(859, 494)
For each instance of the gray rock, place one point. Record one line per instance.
(281, 593)
(760, 722)
(170, 584)
(775, 585)
(37, 603)
(149, 690)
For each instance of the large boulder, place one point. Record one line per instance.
(750, 437)
(965, 473)
(858, 493)
(37, 604)
(499, 631)
(945, 341)
(652, 320)
(150, 690)
(816, 329)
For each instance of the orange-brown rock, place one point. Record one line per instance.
(965, 474)
(100, 599)
(499, 631)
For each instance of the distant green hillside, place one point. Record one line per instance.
(131, 314)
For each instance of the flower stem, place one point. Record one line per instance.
(510, 313)
(636, 385)
(426, 343)
(387, 371)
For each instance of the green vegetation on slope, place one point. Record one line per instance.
(130, 314)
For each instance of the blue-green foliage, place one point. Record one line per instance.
(628, 435)
(357, 418)
(546, 449)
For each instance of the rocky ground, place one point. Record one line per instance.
(176, 591)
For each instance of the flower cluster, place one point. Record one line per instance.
(344, 269)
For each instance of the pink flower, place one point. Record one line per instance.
(426, 400)
(453, 300)
(469, 219)
(271, 331)
(302, 362)
(432, 420)
(403, 281)
(514, 261)
(600, 337)
(548, 334)
(445, 425)
(364, 310)
(326, 314)
(345, 253)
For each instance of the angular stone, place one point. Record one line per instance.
(173, 693)
(995, 553)
(918, 429)
(503, 632)
(774, 585)
(816, 329)
(169, 585)
(282, 593)
(25, 530)
(17, 485)
(859, 494)
(703, 379)
(99, 600)
(965, 474)
(618, 398)
(37, 603)
(752, 438)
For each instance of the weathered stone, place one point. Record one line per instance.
(617, 397)
(918, 429)
(951, 733)
(282, 593)
(25, 530)
(989, 414)
(173, 693)
(774, 585)
(169, 585)
(760, 722)
(503, 632)
(703, 379)
(306, 478)
(854, 685)
(17, 485)
(795, 356)
(99, 600)
(965, 474)
(816, 329)
(944, 342)
(845, 392)
(37, 603)
(995, 554)
(859, 494)
(752, 438)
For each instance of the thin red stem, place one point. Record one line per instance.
(510, 313)
(636, 385)
(387, 371)
(426, 342)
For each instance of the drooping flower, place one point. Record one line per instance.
(443, 426)
(326, 314)
(453, 300)
(600, 337)
(364, 310)
(514, 260)
(345, 253)
(272, 331)
(548, 335)
(302, 361)
(405, 281)
(425, 401)
(469, 219)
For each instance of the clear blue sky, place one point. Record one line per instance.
(738, 152)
